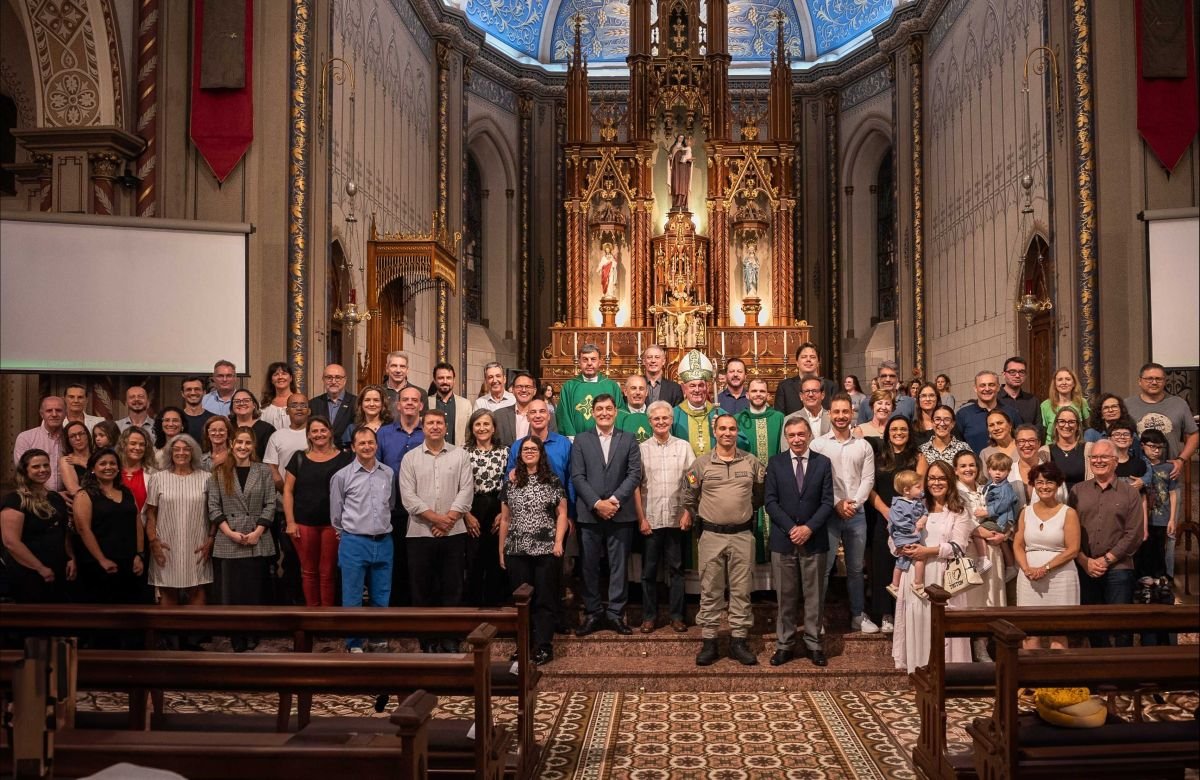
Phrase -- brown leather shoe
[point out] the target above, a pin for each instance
(647, 627)
(678, 626)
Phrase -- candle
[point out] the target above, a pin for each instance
(785, 352)
(755, 346)
(353, 294)
(576, 350)
(607, 345)
(722, 346)
(639, 345)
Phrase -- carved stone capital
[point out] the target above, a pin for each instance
(916, 48)
(105, 165)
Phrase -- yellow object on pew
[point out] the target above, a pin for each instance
(1073, 708)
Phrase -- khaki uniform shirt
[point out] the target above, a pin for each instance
(724, 492)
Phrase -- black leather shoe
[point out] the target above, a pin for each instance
(381, 702)
(739, 652)
(543, 656)
(818, 658)
(708, 653)
(781, 657)
(620, 626)
(590, 626)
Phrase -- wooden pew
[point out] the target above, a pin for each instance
(450, 751)
(75, 752)
(936, 681)
(1009, 744)
(303, 625)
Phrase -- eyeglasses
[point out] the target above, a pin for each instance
(1067, 423)
(243, 402)
(1122, 435)
(811, 391)
(335, 377)
(1154, 379)
(1027, 442)
(935, 480)
(1101, 458)
(297, 406)
(1016, 371)
(1044, 483)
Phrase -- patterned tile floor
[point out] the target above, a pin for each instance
(717, 736)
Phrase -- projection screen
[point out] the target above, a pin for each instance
(117, 295)
(1174, 254)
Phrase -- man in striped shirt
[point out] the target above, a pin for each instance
(660, 515)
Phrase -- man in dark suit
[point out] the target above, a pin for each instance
(799, 501)
(606, 467)
(511, 421)
(335, 403)
(788, 397)
(654, 361)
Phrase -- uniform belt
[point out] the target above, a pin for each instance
(717, 528)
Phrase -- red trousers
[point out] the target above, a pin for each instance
(318, 549)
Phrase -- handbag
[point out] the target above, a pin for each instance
(960, 573)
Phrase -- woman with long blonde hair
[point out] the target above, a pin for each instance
(1065, 391)
(33, 526)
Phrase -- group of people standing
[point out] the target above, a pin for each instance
(424, 497)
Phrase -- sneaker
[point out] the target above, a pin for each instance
(886, 626)
(867, 626)
(356, 650)
(984, 565)
(377, 647)
(893, 591)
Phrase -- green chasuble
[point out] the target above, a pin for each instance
(695, 427)
(762, 432)
(574, 411)
(636, 423)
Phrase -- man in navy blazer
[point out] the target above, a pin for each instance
(799, 502)
(606, 467)
(335, 403)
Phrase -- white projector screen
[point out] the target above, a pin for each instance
(87, 294)
(1174, 279)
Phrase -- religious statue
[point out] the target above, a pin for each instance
(608, 271)
(750, 269)
(679, 166)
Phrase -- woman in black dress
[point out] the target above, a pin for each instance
(895, 452)
(77, 450)
(33, 526)
(106, 518)
(244, 413)
(486, 583)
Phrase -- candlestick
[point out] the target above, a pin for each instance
(755, 346)
(607, 345)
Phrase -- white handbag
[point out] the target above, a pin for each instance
(960, 573)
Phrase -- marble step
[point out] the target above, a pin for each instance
(664, 642)
(680, 673)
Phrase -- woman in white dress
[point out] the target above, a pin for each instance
(948, 523)
(1045, 547)
(177, 527)
(991, 593)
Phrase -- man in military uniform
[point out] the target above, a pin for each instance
(722, 490)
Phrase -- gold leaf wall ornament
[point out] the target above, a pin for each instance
(749, 177)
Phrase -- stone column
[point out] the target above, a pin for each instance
(299, 175)
(832, 171)
(916, 66)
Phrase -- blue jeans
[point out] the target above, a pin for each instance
(364, 560)
(853, 534)
(1114, 587)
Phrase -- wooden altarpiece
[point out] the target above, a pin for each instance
(676, 233)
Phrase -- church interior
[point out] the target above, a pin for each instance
(939, 183)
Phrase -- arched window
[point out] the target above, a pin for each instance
(333, 300)
(885, 241)
(473, 242)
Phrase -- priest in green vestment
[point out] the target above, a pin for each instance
(761, 427)
(694, 417)
(635, 419)
(574, 411)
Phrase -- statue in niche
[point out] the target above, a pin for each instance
(608, 271)
(750, 268)
(679, 162)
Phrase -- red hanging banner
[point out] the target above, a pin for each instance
(222, 120)
(1168, 117)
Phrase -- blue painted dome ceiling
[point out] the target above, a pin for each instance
(543, 30)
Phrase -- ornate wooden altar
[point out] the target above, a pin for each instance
(678, 234)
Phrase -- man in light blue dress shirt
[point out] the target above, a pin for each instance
(361, 497)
